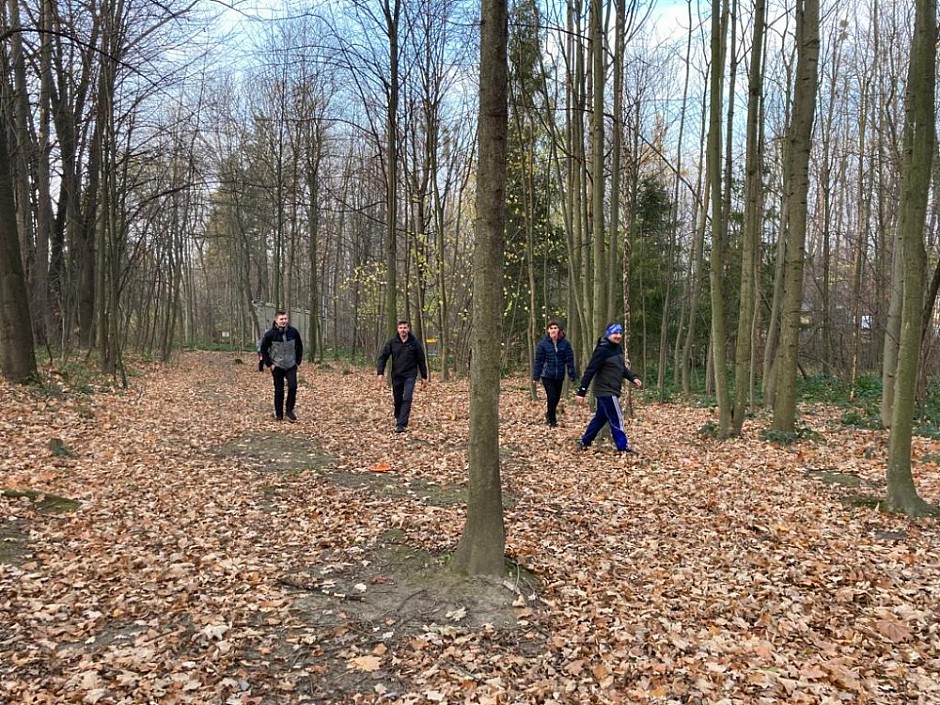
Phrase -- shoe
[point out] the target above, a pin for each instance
(582, 447)
(291, 416)
(553, 424)
(278, 418)
(399, 429)
(628, 451)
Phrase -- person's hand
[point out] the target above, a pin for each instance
(638, 382)
(580, 400)
(425, 381)
(380, 378)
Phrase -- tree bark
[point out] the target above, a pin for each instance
(713, 166)
(392, 9)
(798, 151)
(919, 138)
(481, 547)
(17, 353)
(753, 219)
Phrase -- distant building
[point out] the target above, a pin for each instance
(299, 318)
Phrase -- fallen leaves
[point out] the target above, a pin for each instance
(701, 572)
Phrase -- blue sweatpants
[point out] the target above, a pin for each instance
(608, 411)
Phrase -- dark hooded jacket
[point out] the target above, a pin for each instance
(607, 369)
(554, 358)
(407, 358)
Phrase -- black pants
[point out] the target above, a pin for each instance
(280, 376)
(553, 396)
(403, 389)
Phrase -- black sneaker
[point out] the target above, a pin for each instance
(582, 447)
(399, 429)
(291, 416)
(628, 451)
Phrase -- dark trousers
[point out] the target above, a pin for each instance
(280, 376)
(403, 389)
(553, 389)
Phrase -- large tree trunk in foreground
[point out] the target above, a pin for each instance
(480, 551)
(919, 137)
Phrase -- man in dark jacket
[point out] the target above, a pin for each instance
(407, 362)
(607, 370)
(282, 350)
(553, 357)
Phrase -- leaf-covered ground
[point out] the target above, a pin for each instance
(217, 556)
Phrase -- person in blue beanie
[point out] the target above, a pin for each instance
(554, 356)
(607, 370)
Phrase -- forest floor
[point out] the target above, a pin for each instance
(172, 543)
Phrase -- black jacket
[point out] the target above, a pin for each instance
(606, 369)
(281, 348)
(407, 358)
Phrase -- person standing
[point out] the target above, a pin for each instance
(407, 362)
(607, 370)
(283, 351)
(554, 356)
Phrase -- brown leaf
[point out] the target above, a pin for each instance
(364, 663)
(893, 631)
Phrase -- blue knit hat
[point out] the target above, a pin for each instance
(613, 329)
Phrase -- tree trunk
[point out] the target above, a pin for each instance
(892, 339)
(17, 354)
(597, 192)
(481, 548)
(713, 166)
(392, 9)
(753, 219)
(798, 151)
(919, 137)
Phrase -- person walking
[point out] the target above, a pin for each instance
(408, 361)
(554, 356)
(607, 370)
(282, 350)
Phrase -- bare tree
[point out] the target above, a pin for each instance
(17, 356)
(919, 140)
(481, 547)
(799, 144)
(753, 218)
(719, 26)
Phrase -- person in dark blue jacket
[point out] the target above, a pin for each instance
(407, 362)
(282, 350)
(606, 371)
(554, 357)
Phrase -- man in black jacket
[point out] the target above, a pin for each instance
(407, 362)
(607, 370)
(282, 350)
